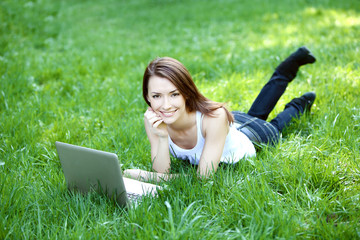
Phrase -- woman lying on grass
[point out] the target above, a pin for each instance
(181, 121)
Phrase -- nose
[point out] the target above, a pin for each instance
(166, 103)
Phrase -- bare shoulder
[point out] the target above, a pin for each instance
(217, 121)
(218, 115)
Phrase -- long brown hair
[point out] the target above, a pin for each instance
(177, 74)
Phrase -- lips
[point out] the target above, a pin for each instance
(168, 114)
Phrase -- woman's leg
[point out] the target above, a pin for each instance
(294, 109)
(257, 130)
(261, 132)
(275, 87)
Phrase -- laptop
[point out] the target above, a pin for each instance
(88, 169)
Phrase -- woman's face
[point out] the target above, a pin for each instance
(165, 99)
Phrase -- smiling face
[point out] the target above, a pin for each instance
(165, 99)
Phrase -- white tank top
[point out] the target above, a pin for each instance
(237, 146)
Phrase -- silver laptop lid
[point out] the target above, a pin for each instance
(87, 169)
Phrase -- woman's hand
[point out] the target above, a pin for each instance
(157, 133)
(155, 124)
(137, 174)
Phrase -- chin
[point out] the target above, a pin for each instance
(168, 121)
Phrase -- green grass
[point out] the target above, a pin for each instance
(71, 71)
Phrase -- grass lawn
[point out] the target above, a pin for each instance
(71, 71)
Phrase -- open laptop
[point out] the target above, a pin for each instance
(88, 169)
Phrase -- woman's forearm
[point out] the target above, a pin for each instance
(161, 161)
(147, 176)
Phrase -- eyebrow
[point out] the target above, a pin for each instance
(169, 92)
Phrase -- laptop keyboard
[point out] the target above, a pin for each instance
(133, 196)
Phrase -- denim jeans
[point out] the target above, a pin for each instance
(254, 124)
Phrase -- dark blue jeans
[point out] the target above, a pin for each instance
(254, 124)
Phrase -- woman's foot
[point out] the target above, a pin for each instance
(302, 56)
(303, 104)
(308, 99)
(291, 65)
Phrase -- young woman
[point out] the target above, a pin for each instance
(182, 122)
